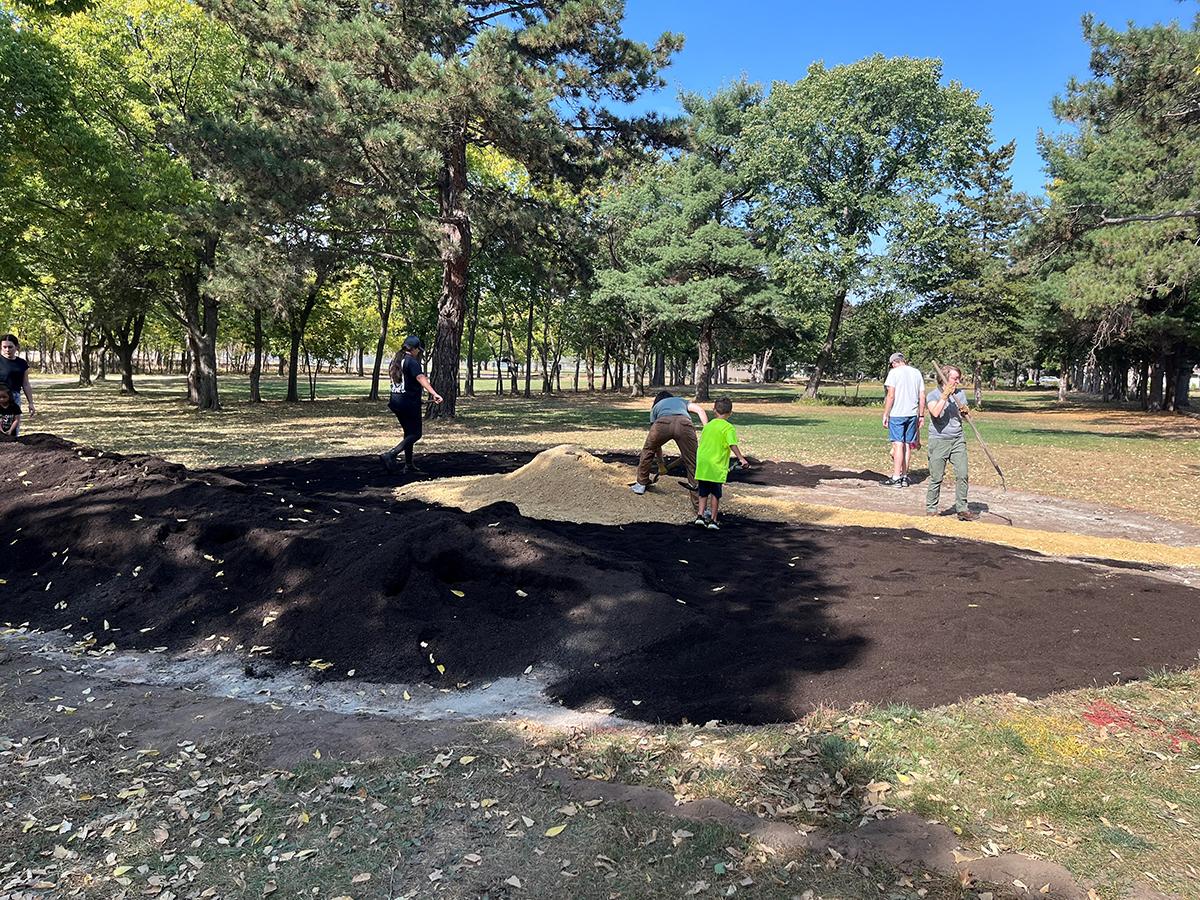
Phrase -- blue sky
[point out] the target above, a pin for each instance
(1016, 53)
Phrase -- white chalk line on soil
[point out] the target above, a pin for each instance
(222, 674)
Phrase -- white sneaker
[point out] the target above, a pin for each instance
(638, 488)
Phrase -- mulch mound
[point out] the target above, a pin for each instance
(759, 622)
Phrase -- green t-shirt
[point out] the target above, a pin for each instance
(712, 456)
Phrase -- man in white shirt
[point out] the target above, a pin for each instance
(903, 414)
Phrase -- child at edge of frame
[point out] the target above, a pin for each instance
(10, 414)
(717, 441)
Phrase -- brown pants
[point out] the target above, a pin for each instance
(669, 428)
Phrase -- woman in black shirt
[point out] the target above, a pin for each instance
(407, 381)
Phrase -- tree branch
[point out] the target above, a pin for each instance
(1106, 221)
(499, 13)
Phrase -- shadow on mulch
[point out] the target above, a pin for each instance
(759, 622)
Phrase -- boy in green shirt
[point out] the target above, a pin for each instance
(712, 462)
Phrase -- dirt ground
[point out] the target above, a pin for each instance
(864, 490)
(313, 565)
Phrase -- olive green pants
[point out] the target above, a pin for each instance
(941, 451)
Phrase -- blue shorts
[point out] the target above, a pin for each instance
(902, 429)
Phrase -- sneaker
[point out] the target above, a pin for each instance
(638, 488)
(712, 526)
(967, 516)
(701, 521)
(904, 482)
(894, 481)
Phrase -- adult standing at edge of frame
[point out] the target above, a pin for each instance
(408, 379)
(903, 413)
(14, 371)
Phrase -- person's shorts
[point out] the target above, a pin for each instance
(709, 488)
(902, 429)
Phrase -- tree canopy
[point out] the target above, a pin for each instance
(235, 185)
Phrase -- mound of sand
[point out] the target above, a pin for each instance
(563, 484)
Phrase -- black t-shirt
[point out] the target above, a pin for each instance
(12, 373)
(8, 414)
(410, 368)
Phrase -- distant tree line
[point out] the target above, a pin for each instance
(258, 185)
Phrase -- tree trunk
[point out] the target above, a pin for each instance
(455, 231)
(604, 370)
(704, 349)
(577, 365)
(199, 320)
(471, 342)
(1155, 398)
(640, 363)
(297, 325)
(659, 377)
(591, 369)
(825, 357)
(256, 369)
(977, 380)
(1064, 378)
(383, 303)
(293, 381)
(549, 354)
(126, 342)
(85, 359)
(1170, 381)
(1183, 383)
(512, 364)
(529, 348)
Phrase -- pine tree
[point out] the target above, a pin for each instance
(680, 247)
(410, 88)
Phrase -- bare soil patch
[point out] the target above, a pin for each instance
(761, 622)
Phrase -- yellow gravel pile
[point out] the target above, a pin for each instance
(564, 484)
